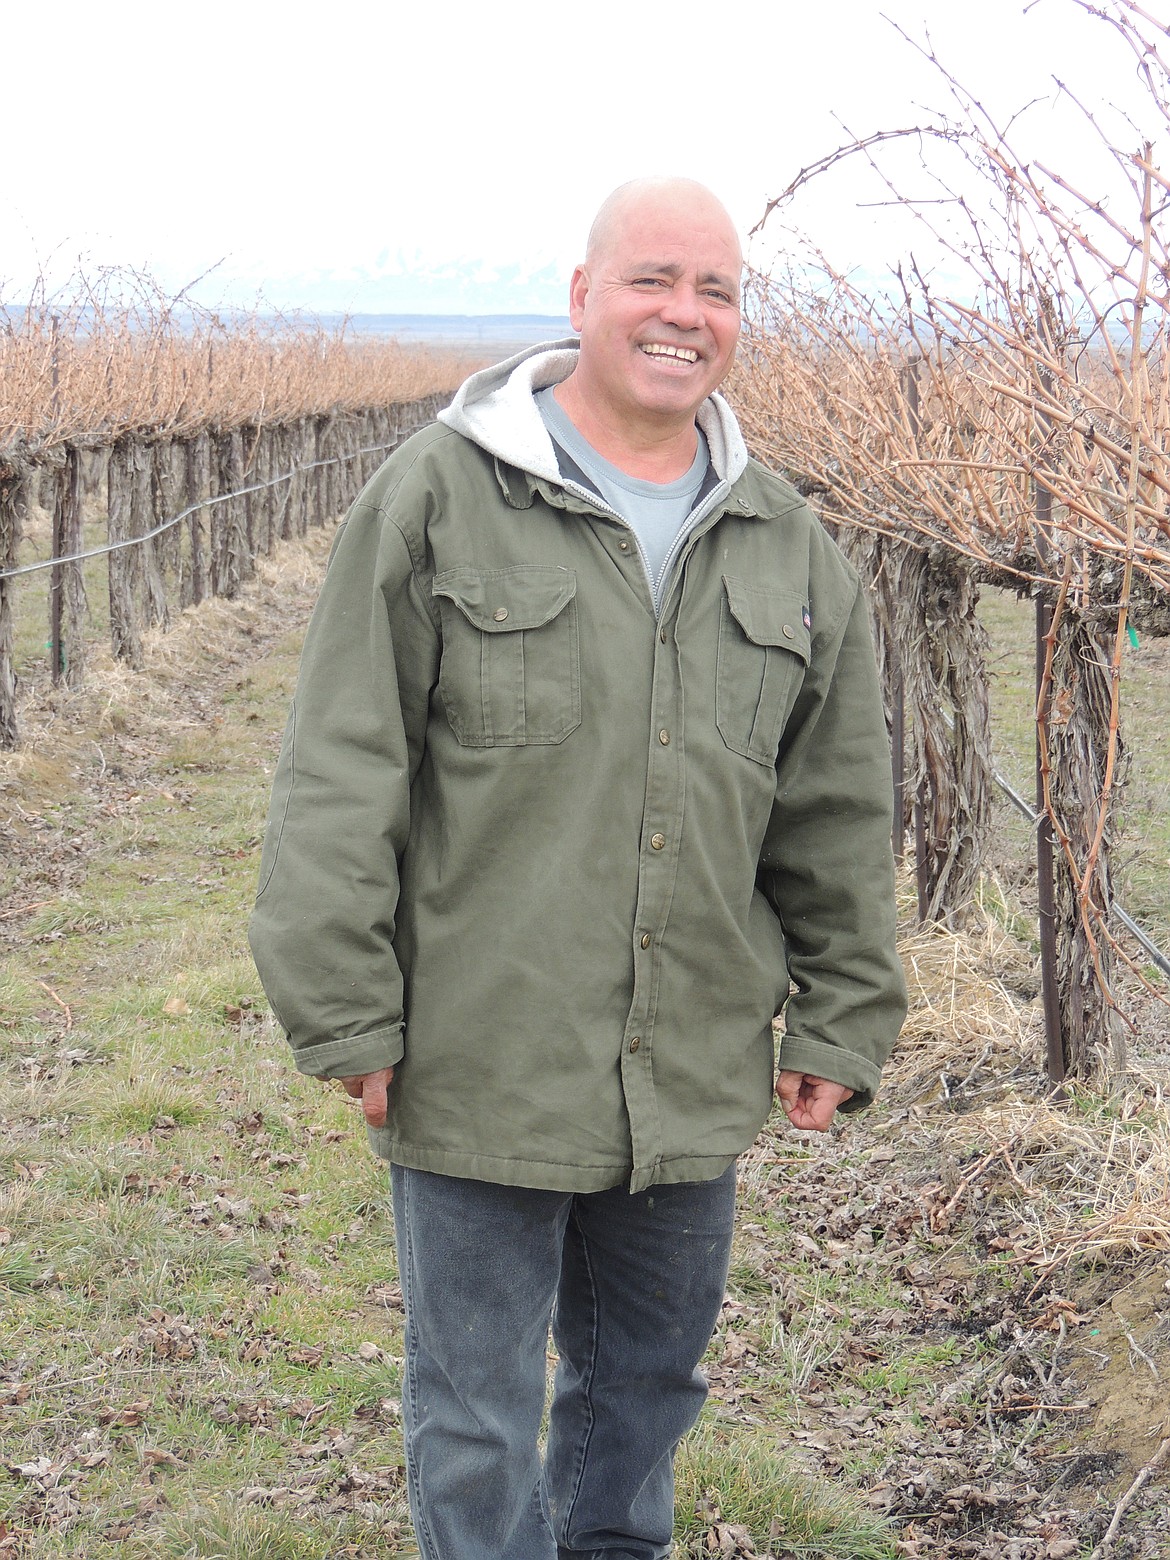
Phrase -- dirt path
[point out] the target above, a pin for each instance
(85, 755)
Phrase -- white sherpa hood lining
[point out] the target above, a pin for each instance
(495, 409)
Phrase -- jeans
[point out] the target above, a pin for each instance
(633, 1286)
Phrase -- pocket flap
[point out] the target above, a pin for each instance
(770, 617)
(501, 601)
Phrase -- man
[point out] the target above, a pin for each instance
(586, 762)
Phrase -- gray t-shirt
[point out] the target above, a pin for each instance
(656, 511)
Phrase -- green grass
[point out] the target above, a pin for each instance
(198, 1253)
(233, 1533)
(32, 648)
(1142, 857)
(200, 1328)
(176, 1232)
(751, 1482)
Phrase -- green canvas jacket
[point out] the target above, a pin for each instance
(557, 858)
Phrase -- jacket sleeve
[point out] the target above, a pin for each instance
(827, 862)
(322, 930)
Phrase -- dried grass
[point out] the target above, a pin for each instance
(56, 720)
(964, 1017)
(1090, 1187)
(1010, 408)
(1088, 1175)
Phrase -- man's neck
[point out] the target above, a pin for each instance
(651, 451)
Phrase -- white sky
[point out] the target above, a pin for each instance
(449, 156)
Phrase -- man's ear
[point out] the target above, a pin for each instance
(578, 290)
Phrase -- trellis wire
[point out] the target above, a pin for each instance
(191, 509)
(1136, 931)
(143, 484)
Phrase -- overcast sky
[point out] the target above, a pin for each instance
(447, 157)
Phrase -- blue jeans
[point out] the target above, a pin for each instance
(633, 1287)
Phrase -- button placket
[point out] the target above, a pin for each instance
(658, 866)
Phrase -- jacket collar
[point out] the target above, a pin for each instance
(495, 409)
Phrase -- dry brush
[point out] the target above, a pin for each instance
(213, 439)
(1012, 429)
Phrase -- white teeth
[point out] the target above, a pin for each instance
(660, 349)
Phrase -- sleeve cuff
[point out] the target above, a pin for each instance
(817, 1059)
(354, 1057)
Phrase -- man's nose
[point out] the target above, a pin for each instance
(683, 307)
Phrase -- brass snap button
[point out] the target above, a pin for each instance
(623, 546)
(664, 738)
(645, 939)
(635, 1043)
(658, 841)
(502, 612)
(787, 631)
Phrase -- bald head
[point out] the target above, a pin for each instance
(656, 306)
(685, 199)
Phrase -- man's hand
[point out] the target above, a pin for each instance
(809, 1103)
(370, 1088)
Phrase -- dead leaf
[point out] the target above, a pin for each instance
(257, 1495)
(160, 1459)
(388, 1295)
(38, 1470)
(305, 1354)
(130, 1415)
(233, 1208)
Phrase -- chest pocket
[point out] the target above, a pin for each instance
(764, 648)
(510, 673)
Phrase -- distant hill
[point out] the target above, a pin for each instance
(495, 333)
(499, 335)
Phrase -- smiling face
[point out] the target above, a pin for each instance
(657, 305)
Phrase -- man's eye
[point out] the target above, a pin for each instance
(649, 281)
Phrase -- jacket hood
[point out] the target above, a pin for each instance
(494, 409)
